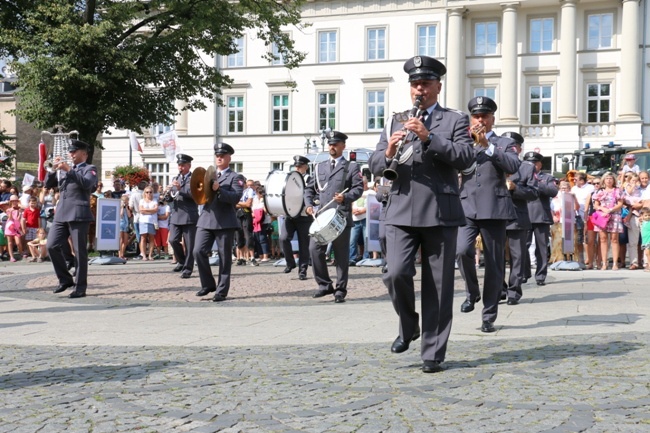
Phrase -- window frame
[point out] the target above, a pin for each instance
(541, 40)
(378, 41)
(541, 102)
(281, 109)
(335, 32)
(367, 116)
(239, 56)
(427, 48)
(496, 42)
(332, 105)
(599, 99)
(161, 174)
(612, 35)
(241, 109)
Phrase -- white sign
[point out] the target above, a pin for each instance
(567, 217)
(107, 229)
(373, 210)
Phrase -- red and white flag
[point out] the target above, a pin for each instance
(135, 144)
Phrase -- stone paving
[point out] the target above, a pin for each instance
(573, 358)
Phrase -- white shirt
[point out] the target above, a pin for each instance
(148, 218)
(581, 194)
(163, 210)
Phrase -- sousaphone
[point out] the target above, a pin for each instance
(201, 184)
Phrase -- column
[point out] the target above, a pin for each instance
(181, 119)
(507, 100)
(455, 78)
(567, 86)
(630, 63)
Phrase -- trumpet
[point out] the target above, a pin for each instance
(476, 135)
(390, 172)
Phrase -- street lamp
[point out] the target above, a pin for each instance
(307, 142)
(313, 146)
(323, 135)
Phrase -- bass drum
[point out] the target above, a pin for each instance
(284, 194)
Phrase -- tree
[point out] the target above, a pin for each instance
(7, 155)
(96, 64)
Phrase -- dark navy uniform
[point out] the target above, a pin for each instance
(322, 186)
(488, 208)
(541, 219)
(182, 220)
(300, 225)
(218, 222)
(424, 211)
(525, 190)
(71, 220)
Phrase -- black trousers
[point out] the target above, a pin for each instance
(187, 232)
(57, 248)
(205, 239)
(292, 226)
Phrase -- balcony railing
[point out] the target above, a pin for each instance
(538, 131)
(597, 130)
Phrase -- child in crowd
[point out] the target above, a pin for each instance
(644, 221)
(38, 246)
(31, 220)
(13, 231)
(3, 239)
(162, 233)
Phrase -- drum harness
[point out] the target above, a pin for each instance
(321, 188)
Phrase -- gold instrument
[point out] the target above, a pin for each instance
(201, 184)
(390, 172)
(476, 134)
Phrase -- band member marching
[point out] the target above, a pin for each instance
(327, 184)
(423, 209)
(300, 225)
(488, 208)
(218, 221)
(185, 213)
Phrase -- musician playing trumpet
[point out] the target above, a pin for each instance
(424, 210)
(338, 181)
(487, 207)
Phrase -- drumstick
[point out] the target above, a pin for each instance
(329, 202)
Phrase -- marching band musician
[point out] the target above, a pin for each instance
(541, 219)
(218, 221)
(488, 208)
(327, 184)
(424, 210)
(300, 225)
(185, 214)
(72, 217)
(523, 188)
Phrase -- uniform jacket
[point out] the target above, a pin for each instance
(540, 210)
(220, 214)
(184, 208)
(426, 192)
(325, 182)
(75, 188)
(525, 191)
(483, 191)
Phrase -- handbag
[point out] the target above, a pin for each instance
(599, 219)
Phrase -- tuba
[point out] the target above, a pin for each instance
(390, 172)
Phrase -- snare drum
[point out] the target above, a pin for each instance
(284, 194)
(328, 226)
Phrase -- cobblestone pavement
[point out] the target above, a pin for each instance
(563, 384)
(574, 357)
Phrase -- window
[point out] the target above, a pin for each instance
(376, 44)
(161, 128)
(485, 42)
(598, 103)
(237, 59)
(427, 40)
(281, 113)
(490, 92)
(326, 111)
(158, 172)
(601, 28)
(276, 53)
(540, 105)
(375, 110)
(327, 47)
(541, 35)
(237, 167)
(275, 165)
(235, 114)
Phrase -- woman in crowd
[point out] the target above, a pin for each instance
(261, 223)
(13, 231)
(609, 201)
(47, 202)
(125, 225)
(632, 196)
(593, 253)
(148, 222)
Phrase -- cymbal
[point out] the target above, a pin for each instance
(210, 175)
(197, 185)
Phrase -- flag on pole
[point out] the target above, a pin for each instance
(135, 144)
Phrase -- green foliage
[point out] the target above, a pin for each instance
(7, 165)
(95, 64)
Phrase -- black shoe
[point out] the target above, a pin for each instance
(384, 269)
(241, 262)
(504, 296)
(205, 291)
(70, 265)
(178, 267)
(512, 301)
(288, 269)
(302, 277)
(186, 274)
(431, 367)
(339, 299)
(400, 345)
(468, 305)
(77, 294)
(219, 298)
(487, 327)
(323, 292)
(63, 287)
(541, 283)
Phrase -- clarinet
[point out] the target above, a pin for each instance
(391, 172)
(168, 194)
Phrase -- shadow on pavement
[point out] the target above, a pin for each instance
(578, 296)
(75, 307)
(614, 319)
(12, 325)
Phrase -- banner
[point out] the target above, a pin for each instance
(567, 218)
(107, 229)
(169, 145)
(373, 210)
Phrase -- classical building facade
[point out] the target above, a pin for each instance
(565, 73)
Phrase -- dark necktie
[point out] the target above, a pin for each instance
(332, 165)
